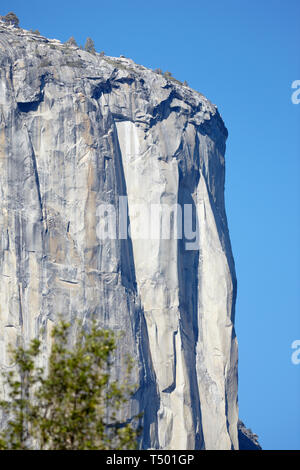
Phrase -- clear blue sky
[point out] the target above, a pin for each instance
(243, 55)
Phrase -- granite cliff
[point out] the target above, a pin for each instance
(79, 132)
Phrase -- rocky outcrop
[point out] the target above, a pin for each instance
(79, 132)
(247, 439)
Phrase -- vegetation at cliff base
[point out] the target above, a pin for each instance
(75, 405)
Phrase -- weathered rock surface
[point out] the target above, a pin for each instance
(79, 130)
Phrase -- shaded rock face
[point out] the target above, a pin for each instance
(78, 131)
(247, 439)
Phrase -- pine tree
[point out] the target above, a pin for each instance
(11, 18)
(90, 46)
(73, 407)
(71, 42)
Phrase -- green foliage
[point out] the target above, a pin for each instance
(71, 42)
(75, 406)
(90, 46)
(167, 75)
(11, 18)
(19, 407)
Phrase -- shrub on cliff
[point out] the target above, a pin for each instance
(167, 75)
(72, 407)
(11, 18)
(89, 46)
(71, 42)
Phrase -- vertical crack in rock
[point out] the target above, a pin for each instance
(188, 262)
(36, 173)
(126, 250)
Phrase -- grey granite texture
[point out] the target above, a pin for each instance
(77, 131)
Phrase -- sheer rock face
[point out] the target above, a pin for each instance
(247, 439)
(78, 131)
